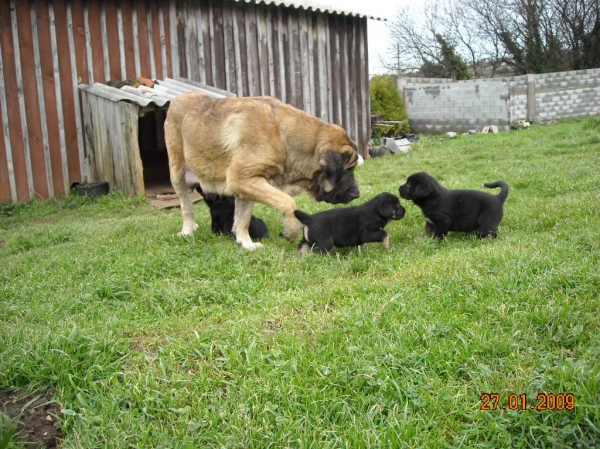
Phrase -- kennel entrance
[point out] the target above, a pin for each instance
(124, 133)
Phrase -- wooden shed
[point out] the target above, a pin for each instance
(311, 56)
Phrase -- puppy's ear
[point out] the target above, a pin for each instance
(422, 190)
(386, 209)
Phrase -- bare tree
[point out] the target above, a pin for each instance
(465, 36)
(486, 18)
(528, 36)
(411, 39)
(579, 29)
(416, 46)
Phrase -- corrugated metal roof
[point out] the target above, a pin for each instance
(160, 94)
(315, 6)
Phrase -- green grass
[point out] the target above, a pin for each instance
(157, 341)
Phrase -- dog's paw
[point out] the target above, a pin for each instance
(291, 229)
(291, 235)
(249, 245)
(189, 229)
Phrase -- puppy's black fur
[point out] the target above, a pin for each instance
(350, 226)
(222, 208)
(455, 210)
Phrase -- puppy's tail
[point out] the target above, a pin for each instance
(503, 189)
(302, 217)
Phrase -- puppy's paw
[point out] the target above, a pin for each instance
(189, 229)
(304, 248)
(385, 243)
(429, 229)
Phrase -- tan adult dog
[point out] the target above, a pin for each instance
(259, 150)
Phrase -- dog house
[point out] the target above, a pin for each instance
(124, 131)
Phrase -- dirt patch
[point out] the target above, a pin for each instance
(36, 414)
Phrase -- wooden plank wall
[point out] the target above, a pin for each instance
(312, 60)
(118, 130)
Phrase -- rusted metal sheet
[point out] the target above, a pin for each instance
(309, 55)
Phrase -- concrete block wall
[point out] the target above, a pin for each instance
(567, 94)
(517, 104)
(436, 106)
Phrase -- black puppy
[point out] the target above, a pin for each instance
(222, 208)
(455, 210)
(350, 226)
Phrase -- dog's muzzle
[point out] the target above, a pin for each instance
(403, 192)
(341, 194)
(399, 213)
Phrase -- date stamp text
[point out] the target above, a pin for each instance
(543, 401)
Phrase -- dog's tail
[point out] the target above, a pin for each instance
(302, 217)
(503, 189)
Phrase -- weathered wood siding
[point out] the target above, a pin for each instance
(116, 156)
(313, 60)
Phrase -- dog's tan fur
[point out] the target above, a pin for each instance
(256, 148)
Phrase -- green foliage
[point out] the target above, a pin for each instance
(454, 65)
(160, 341)
(387, 102)
(448, 63)
(8, 427)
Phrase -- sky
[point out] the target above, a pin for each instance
(376, 29)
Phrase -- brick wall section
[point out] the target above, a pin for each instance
(437, 106)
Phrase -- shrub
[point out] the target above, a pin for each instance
(387, 102)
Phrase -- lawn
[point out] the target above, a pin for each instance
(151, 340)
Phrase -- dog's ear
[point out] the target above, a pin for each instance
(325, 183)
(385, 209)
(422, 190)
(335, 179)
